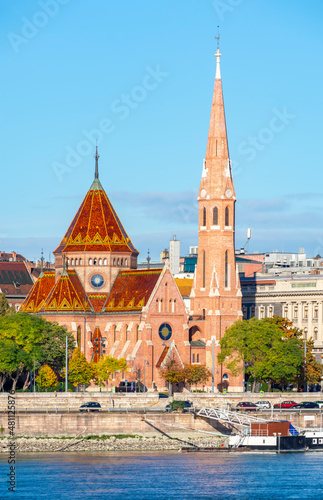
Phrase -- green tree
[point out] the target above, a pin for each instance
(79, 370)
(106, 366)
(4, 306)
(25, 338)
(310, 371)
(46, 377)
(263, 349)
(196, 374)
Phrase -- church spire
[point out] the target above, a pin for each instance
(96, 185)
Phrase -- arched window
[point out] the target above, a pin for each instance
(316, 311)
(193, 358)
(305, 331)
(114, 262)
(286, 311)
(203, 265)
(95, 261)
(315, 333)
(76, 262)
(122, 262)
(67, 262)
(105, 262)
(215, 216)
(114, 334)
(80, 262)
(305, 312)
(90, 262)
(126, 333)
(79, 338)
(118, 264)
(226, 217)
(126, 262)
(226, 269)
(100, 262)
(197, 358)
(204, 217)
(137, 333)
(72, 262)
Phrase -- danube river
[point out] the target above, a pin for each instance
(163, 476)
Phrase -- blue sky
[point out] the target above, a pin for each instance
(139, 76)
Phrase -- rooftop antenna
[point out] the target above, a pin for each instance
(148, 259)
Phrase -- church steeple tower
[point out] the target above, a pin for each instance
(216, 296)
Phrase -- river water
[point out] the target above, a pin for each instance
(163, 476)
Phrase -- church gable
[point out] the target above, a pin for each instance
(39, 293)
(67, 295)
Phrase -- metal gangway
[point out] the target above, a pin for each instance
(229, 417)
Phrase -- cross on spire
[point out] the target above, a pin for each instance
(218, 55)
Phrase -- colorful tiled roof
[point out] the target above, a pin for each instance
(96, 227)
(39, 293)
(15, 278)
(184, 286)
(68, 295)
(97, 300)
(132, 289)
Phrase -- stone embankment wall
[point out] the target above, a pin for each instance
(137, 443)
(73, 400)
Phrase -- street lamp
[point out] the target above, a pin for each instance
(66, 366)
(213, 364)
(145, 363)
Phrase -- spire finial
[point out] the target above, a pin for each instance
(42, 264)
(218, 55)
(96, 156)
(148, 259)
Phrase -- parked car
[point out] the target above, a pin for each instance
(320, 403)
(246, 406)
(92, 406)
(306, 405)
(185, 406)
(285, 404)
(263, 405)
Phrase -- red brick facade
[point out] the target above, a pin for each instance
(216, 295)
(113, 308)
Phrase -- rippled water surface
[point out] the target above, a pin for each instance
(166, 476)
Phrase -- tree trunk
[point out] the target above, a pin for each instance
(253, 386)
(15, 380)
(269, 386)
(26, 381)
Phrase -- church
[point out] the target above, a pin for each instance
(113, 308)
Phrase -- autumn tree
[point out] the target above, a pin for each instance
(263, 349)
(79, 370)
(46, 377)
(196, 374)
(173, 373)
(106, 366)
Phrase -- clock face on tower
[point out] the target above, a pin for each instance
(97, 280)
(228, 193)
